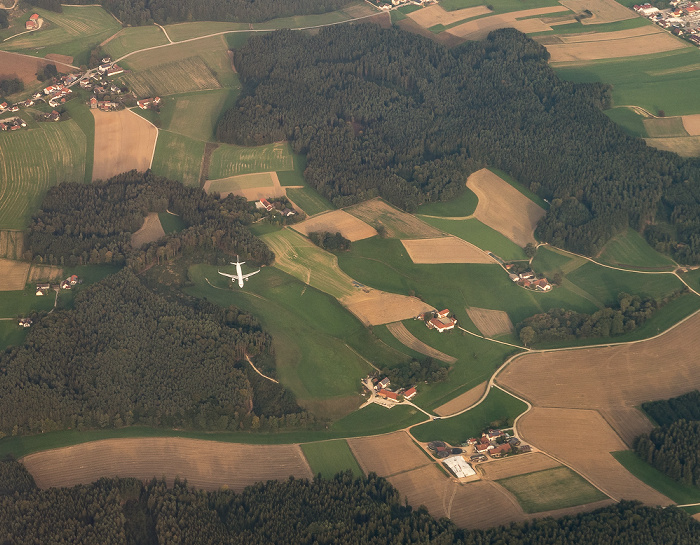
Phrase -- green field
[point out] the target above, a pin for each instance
(133, 39)
(189, 155)
(472, 230)
(74, 33)
(629, 121)
(665, 127)
(555, 488)
(228, 160)
(195, 114)
(499, 6)
(463, 205)
(319, 346)
(171, 223)
(86, 121)
(548, 261)
(33, 160)
(653, 82)
(309, 200)
(236, 183)
(19, 303)
(183, 76)
(630, 250)
(296, 176)
(678, 492)
(11, 334)
(330, 457)
(498, 409)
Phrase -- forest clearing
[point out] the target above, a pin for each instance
(504, 208)
(123, 141)
(404, 336)
(209, 465)
(336, 221)
(396, 223)
(150, 231)
(444, 250)
(490, 322)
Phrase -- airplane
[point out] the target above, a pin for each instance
(239, 273)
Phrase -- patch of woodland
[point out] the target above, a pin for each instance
(14, 478)
(674, 450)
(559, 324)
(341, 510)
(10, 86)
(146, 12)
(93, 223)
(414, 372)
(392, 114)
(125, 355)
(668, 411)
(329, 241)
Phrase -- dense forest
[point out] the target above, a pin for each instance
(559, 324)
(125, 355)
(342, 510)
(93, 223)
(674, 450)
(146, 12)
(666, 412)
(389, 113)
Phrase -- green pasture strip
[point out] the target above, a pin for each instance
(176, 52)
(11, 334)
(261, 228)
(499, 6)
(20, 303)
(630, 250)
(132, 39)
(384, 264)
(606, 284)
(555, 488)
(472, 230)
(33, 160)
(189, 155)
(580, 28)
(170, 78)
(477, 359)
(330, 457)
(653, 81)
(81, 114)
(383, 334)
(548, 262)
(409, 9)
(629, 121)
(692, 278)
(694, 510)
(371, 420)
(74, 33)
(229, 160)
(237, 183)
(539, 201)
(498, 409)
(319, 345)
(195, 115)
(296, 176)
(665, 127)
(678, 492)
(309, 200)
(171, 223)
(397, 16)
(462, 205)
(187, 31)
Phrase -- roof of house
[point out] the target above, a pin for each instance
(410, 392)
(388, 394)
(34, 16)
(444, 312)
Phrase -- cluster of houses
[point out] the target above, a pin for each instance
(109, 68)
(148, 103)
(497, 444)
(264, 204)
(34, 22)
(69, 282)
(58, 93)
(25, 322)
(382, 389)
(438, 320)
(682, 19)
(529, 280)
(388, 4)
(12, 124)
(52, 116)
(104, 105)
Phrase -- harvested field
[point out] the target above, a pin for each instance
(388, 454)
(397, 224)
(398, 330)
(380, 307)
(463, 401)
(691, 123)
(479, 28)
(63, 59)
(628, 422)
(14, 274)
(335, 221)
(517, 465)
(253, 187)
(437, 15)
(44, 273)
(607, 36)
(150, 231)
(595, 464)
(504, 208)
(444, 250)
(11, 244)
(685, 146)
(182, 76)
(490, 322)
(123, 141)
(615, 45)
(604, 11)
(209, 465)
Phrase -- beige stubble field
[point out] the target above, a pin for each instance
(442, 250)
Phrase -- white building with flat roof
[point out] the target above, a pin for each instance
(458, 467)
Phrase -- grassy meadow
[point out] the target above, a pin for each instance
(229, 160)
(309, 200)
(628, 120)
(499, 6)
(189, 153)
(630, 250)
(131, 39)
(330, 457)
(462, 205)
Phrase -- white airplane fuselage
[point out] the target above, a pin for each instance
(239, 273)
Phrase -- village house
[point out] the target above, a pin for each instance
(384, 383)
(104, 67)
(443, 313)
(93, 103)
(266, 204)
(500, 450)
(410, 393)
(441, 324)
(147, 103)
(386, 394)
(114, 70)
(25, 322)
(85, 83)
(33, 22)
(288, 212)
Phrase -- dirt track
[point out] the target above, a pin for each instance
(205, 464)
(123, 141)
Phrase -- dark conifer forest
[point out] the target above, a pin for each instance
(342, 510)
(388, 113)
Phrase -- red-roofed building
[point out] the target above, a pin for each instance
(386, 394)
(410, 393)
(440, 325)
(500, 450)
(114, 70)
(443, 313)
(267, 205)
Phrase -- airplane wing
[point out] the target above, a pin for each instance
(250, 274)
(229, 275)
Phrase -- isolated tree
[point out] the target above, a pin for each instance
(527, 335)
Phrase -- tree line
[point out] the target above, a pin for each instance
(342, 510)
(389, 113)
(92, 223)
(146, 12)
(329, 241)
(666, 411)
(125, 355)
(414, 372)
(559, 324)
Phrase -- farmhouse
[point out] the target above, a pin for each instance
(33, 23)
(93, 103)
(441, 324)
(25, 322)
(458, 467)
(114, 70)
(104, 67)
(386, 394)
(266, 204)
(500, 450)
(410, 393)
(3, 106)
(146, 103)
(384, 383)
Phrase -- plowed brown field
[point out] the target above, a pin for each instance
(398, 330)
(490, 322)
(463, 401)
(44, 273)
(336, 221)
(123, 141)
(691, 123)
(444, 250)
(504, 208)
(205, 464)
(398, 224)
(614, 45)
(388, 454)
(604, 11)
(25, 67)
